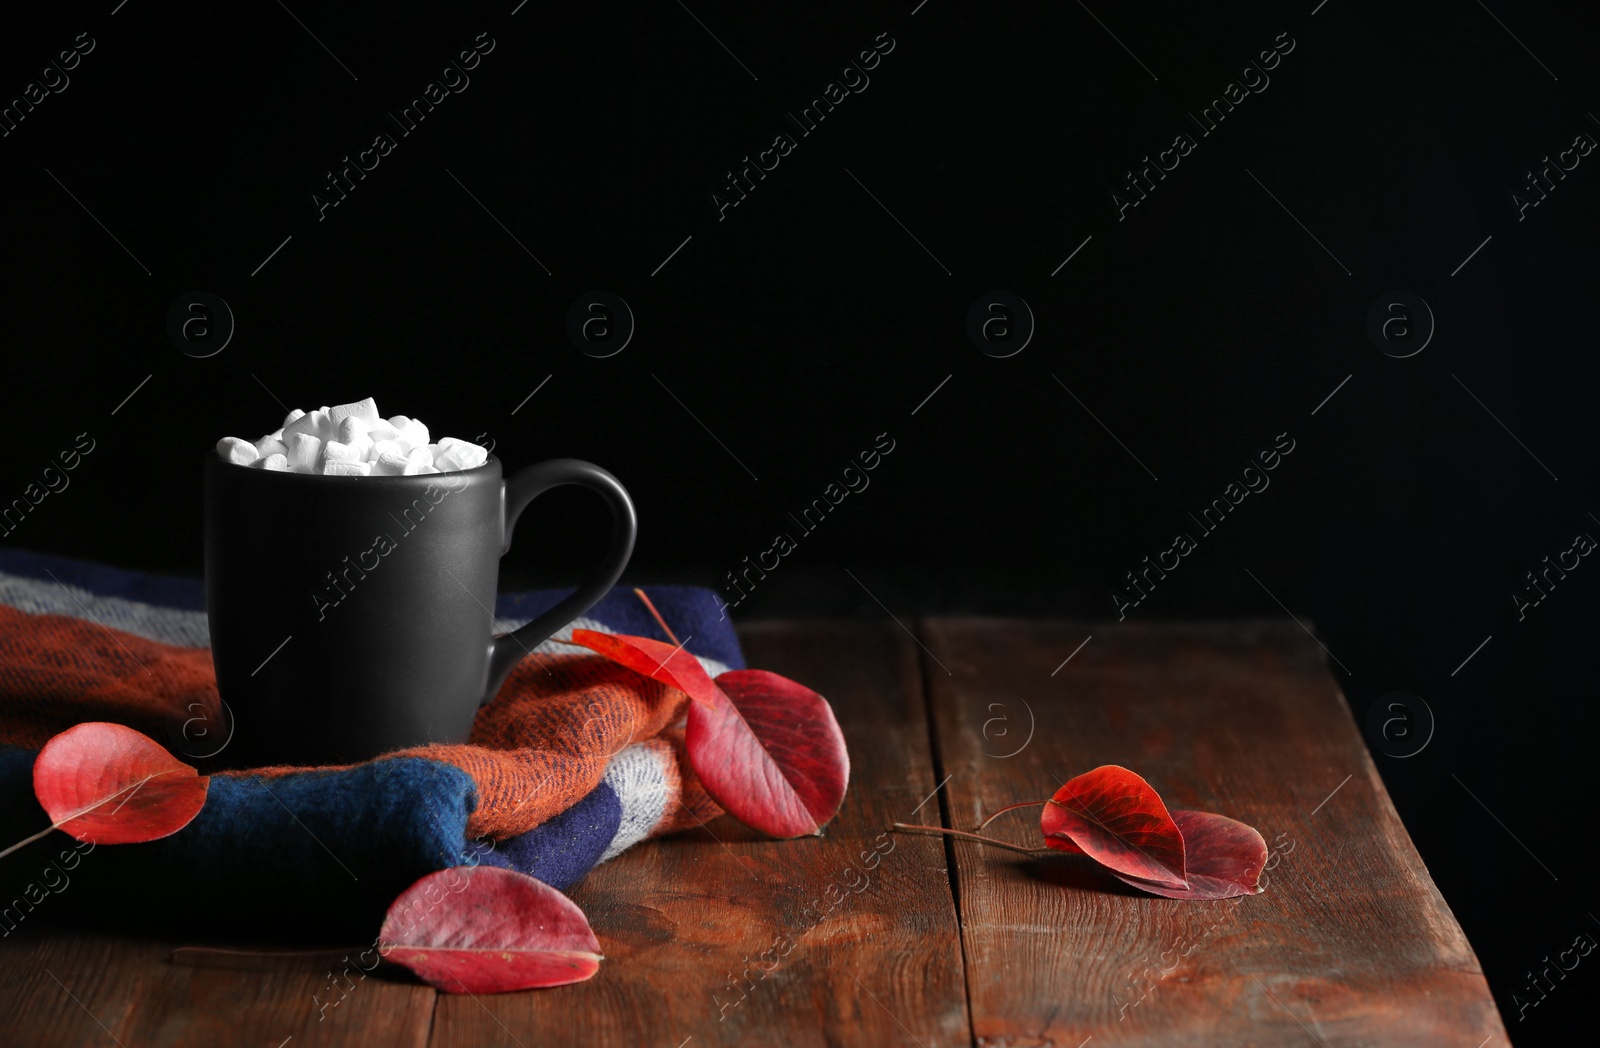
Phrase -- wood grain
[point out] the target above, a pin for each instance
(875, 955)
(1350, 946)
(70, 988)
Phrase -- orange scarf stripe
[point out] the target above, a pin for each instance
(537, 749)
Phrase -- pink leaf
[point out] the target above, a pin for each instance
(485, 929)
(1224, 858)
(1116, 818)
(109, 784)
(772, 756)
(658, 661)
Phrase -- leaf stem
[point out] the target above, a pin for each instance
(1011, 807)
(28, 840)
(964, 835)
(657, 615)
(130, 790)
(221, 957)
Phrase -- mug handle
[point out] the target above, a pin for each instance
(509, 649)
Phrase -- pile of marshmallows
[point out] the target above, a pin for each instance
(352, 440)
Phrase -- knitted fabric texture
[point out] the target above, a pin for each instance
(575, 760)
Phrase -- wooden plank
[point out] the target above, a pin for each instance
(61, 987)
(875, 960)
(1351, 945)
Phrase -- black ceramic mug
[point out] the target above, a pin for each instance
(355, 615)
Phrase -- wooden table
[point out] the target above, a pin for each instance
(913, 940)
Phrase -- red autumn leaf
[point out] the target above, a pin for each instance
(1117, 819)
(486, 929)
(1061, 842)
(109, 784)
(1224, 858)
(654, 659)
(773, 755)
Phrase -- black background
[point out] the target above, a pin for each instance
(808, 321)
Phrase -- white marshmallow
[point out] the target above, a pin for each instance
(353, 440)
(269, 446)
(389, 464)
(237, 451)
(456, 454)
(304, 450)
(316, 423)
(333, 451)
(381, 448)
(365, 410)
(353, 433)
(409, 432)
